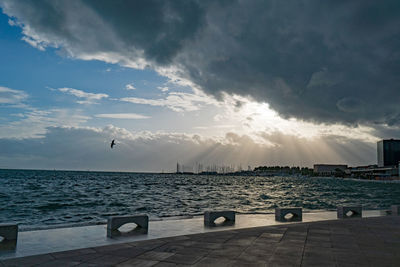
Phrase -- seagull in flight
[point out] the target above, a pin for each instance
(112, 143)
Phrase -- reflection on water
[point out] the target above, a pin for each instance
(38, 198)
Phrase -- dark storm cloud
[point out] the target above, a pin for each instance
(158, 27)
(325, 61)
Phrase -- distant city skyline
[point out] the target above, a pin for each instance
(221, 83)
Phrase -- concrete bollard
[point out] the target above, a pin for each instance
(395, 210)
(343, 210)
(115, 222)
(211, 216)
(9, 232)
(280, 214)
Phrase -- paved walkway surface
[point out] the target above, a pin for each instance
(349, 242)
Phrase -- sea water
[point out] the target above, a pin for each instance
(43, 199)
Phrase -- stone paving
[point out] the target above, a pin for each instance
(348, 242)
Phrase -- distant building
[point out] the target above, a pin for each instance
(329, 169)
(375, 172)
(388, 152)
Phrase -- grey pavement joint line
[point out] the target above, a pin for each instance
(304, 247)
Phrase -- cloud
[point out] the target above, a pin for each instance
(163, 88)
(33, 122)
(11, 96)
(130, 86)
(88, 98)
(176, 101)
(307, 59)
(350, 104)
(88, 148)
(122, 116)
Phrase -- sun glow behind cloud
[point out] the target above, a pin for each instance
(246, 116)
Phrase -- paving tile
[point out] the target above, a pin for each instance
(28, 261)
(253, 263)
(384, 262)
(289, 252)
(297, 231)
(318, 244)
(148, 244)
(319, 238)
(291, 244)
(283, 262)
(342, 231)
(72, 253)
(266, 242)
(86, 264)
(312, 230)
(274, 236)
(155, 255)
(195, 251)
(168, 264)
(206, 245)
(175, 238)
(347, 245)
(293, 239)
(185, 243)
(231, 252)
(319, 253)
(173, 248)
(346, 251)
(126, 252)
(241, 241)
(267, 247)
(137, 262)
(247, 257)
(259, 251)
(59, 262)
(349, 258)
(348, 264)
(214, 239)
(275, 230)
(318, 263)
(85, 257)
(183, 259)
(211, 261)
(107, 260)
(109, 248)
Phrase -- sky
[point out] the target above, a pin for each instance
(244, 83)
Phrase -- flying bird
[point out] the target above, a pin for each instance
(112, 143)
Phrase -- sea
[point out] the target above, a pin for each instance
(39, 199)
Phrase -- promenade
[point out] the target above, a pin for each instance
(373, 241)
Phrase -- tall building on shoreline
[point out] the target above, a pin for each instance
(388, 152)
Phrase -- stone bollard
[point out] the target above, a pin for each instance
(211, 216)
(395, 210)
(343, 210)
(9, 233)
(280, 214)
(115, 222)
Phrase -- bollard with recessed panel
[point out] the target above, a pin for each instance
(297, 214)
(211, 216)
(344, 212)
(9, 234)
(395, 210)
(115, 222)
